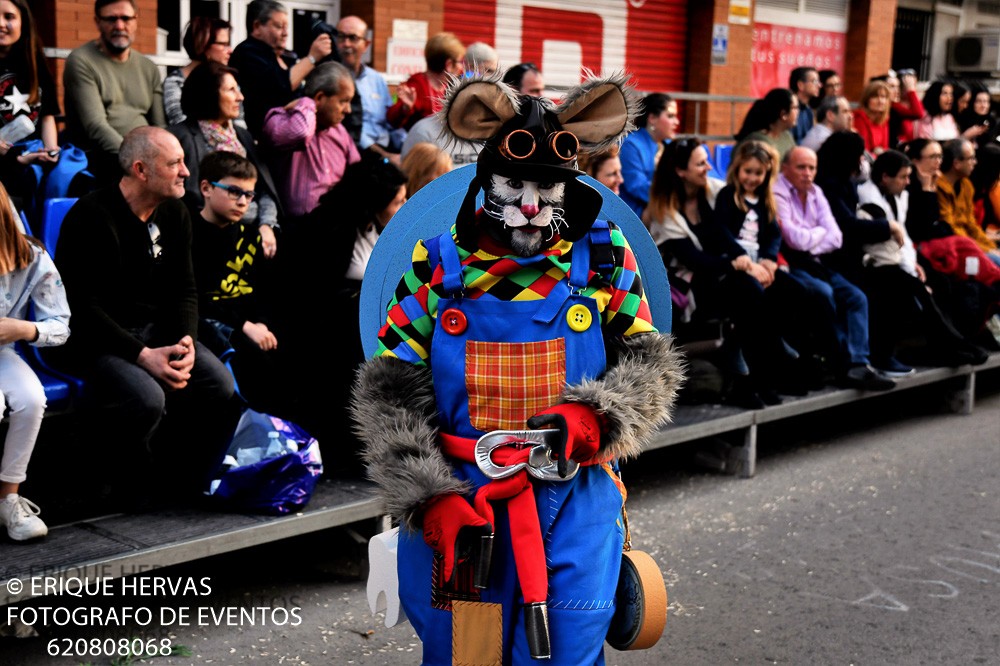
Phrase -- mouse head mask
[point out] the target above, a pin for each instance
(527, 165)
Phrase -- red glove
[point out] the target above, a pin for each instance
(453, 529)
(581, 431)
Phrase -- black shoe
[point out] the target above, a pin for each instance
(768, 396)
(865, 378)
(743, 395)
(890, 367)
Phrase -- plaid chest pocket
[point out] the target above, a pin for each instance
(507, 382)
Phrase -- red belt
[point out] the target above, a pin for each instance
(525, 529)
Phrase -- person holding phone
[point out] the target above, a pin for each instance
(27, 95)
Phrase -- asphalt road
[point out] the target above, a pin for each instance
(870, 535)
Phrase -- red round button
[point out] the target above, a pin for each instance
(453, 321)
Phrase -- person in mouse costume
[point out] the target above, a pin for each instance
(528, 313)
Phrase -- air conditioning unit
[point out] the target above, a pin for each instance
(977, 51)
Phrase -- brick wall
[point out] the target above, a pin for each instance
(732, 78)
(869, 43)
(385, 11)
(70, 23)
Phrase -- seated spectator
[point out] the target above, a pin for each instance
(986, 190)
(980, 113)
(939, 123)
(955, 195)
(110, 89)
(747, 208)
(422, 93)
(311, 146)
(205, 40)
(270, 75)
(963, 96)
(481, 60)
(906, 106)
(830, 86)
(211, 102)
(641, 149)
(967, 298)
(429, 130)
(724, 281)
(233, 301)
(526, 79)
(770, 120)
(362, 203)
(871, 118)
(804, 83)
(832, 115)
(839, 164)
(424, 163)
(34, 311)
(604, 167)
(900, 306)
(30, 95)
(124, 253)
(367, 123)
(923, 221)
(810, 232)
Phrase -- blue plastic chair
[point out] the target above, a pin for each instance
(57, 390)
(723, 156)
(53, 213)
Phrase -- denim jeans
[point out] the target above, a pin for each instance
(850, 308)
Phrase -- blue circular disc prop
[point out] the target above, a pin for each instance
(432, 211)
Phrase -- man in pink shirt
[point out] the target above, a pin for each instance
(310, 146)
(809, 231)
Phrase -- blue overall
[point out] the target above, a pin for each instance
(580, 518)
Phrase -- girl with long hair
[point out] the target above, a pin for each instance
(26, 91)
(726, 283)
(28, 275)
(940, 122)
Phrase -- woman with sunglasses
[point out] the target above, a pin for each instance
(725, 283)
(205, 40)
(211, 100)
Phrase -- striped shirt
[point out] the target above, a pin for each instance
(412, 312)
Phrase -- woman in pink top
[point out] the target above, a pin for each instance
(939, 123)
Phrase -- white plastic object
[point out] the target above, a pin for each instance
(383, 577)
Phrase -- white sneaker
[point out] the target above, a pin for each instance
(20, 515)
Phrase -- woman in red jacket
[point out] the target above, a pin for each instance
(871, 118)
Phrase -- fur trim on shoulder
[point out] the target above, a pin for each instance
(637, 395)
(394, 414)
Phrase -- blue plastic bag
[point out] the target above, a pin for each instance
(271, 466)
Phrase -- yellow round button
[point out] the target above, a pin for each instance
(579, 318)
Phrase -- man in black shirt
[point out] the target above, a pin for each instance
(124, 253)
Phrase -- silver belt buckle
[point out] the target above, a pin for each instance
(540, 463)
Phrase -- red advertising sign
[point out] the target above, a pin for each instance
(778, 49)
(646, 38)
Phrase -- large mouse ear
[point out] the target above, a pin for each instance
(600, 111)
(475, 109)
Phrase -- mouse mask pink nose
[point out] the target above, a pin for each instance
(529, 210)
